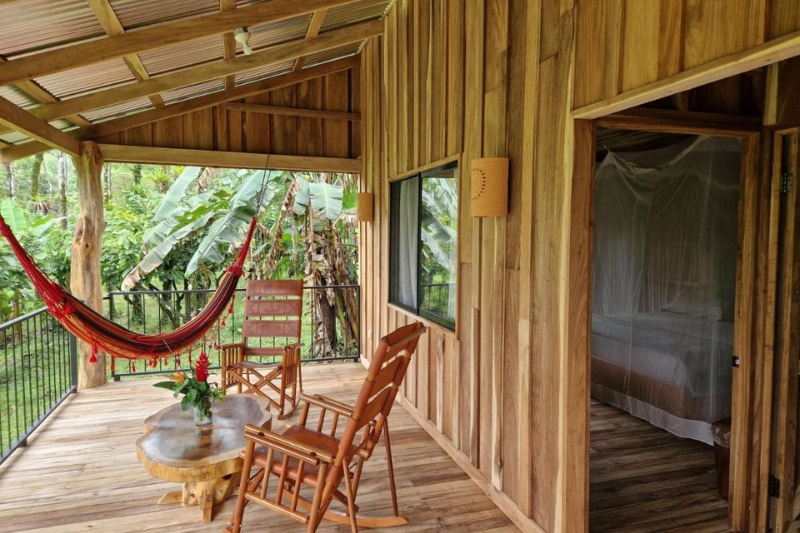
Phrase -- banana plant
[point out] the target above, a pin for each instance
(225, 211)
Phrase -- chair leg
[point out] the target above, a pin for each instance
(351, 509)
(390, 466)
(241, 501)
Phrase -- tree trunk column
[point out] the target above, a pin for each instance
(85, 281)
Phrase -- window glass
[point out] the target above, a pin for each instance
(423, 247)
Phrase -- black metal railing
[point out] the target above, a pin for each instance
(435, 302)
(39, 369)
(330, 324)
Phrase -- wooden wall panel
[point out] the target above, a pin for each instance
(622, 45)
(784, 17)
(218, 128)
(715, 28)
(456, 78)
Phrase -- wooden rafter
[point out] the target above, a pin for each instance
(313, 30)
(112, 26)
(228, 42)
(215, 158)
(160, 36)
(294, 111)
(32, 89)
(268, 56)
(22, 121)
(188, 106)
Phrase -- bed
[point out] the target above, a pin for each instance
(671, 369)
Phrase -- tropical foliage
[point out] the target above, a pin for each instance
(176, 228)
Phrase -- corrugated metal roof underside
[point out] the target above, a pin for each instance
(277, 32)
(137, 13)
(16, 97)
(190, 53)
(264, 72)
(347, 14)
(332, 55)
(63, 125)
(44, 24)
(14, 137)
(86, 79)
(193, 91)
(118, 110)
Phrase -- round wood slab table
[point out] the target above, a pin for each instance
(205, 459)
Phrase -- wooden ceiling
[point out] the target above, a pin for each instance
(96, 67)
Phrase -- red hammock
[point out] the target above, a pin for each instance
(102, 334)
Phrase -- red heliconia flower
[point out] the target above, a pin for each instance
(201, 368)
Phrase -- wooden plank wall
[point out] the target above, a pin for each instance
(219, 128)
(627, 44)
(500, 78)
(453, 77)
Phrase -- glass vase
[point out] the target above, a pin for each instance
(202, 415)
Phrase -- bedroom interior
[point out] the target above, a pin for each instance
(665, 244)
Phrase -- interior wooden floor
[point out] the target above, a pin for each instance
(644, 479)
(80, 472)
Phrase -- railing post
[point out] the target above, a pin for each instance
(358, 322)
(73, 360)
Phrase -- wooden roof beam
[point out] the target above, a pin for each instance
(294, 111)
(23, 122)
(187, 106)
(268, 56)
(108, 19)
(228, 42)
(32, 89)
(158, 36)
(313, 30)
(215, 158)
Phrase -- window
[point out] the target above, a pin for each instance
(423, 252)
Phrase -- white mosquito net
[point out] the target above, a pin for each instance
(665, 249)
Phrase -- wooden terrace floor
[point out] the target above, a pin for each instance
(646, 480)
(80, 472)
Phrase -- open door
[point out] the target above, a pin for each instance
(787, 347)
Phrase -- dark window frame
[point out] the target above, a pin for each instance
(393, 268)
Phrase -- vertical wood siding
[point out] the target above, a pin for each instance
(483, 78)
(218, 128)
(627, 44)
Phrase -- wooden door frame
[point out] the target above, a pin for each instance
(755, 277)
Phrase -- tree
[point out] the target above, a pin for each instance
(11, 186)
(36, 171)
(62, 187)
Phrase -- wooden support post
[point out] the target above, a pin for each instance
(85, 283)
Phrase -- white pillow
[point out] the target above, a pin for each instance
(694, 308)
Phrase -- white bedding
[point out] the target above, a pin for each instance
(686, 351)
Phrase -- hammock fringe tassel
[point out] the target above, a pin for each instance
(104, 335)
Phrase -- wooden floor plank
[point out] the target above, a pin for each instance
(646, 480)
(80, 472)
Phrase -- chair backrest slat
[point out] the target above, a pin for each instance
(273, 309)
(270, 328)
(374, 404)
(386, 375)
(270, 308)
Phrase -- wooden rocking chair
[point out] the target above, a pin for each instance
(278, 466)
(273, 316)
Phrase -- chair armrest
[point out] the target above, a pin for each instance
(327, 404)
(286, 445)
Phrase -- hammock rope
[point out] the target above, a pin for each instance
(102, 334)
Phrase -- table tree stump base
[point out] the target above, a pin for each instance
(205, 460)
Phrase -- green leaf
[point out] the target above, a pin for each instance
(327, 199)
(156, 256)
(170, 385)
(230, 229)
(185, 402)
(175, 194)
(14, 216)
(302, 197)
